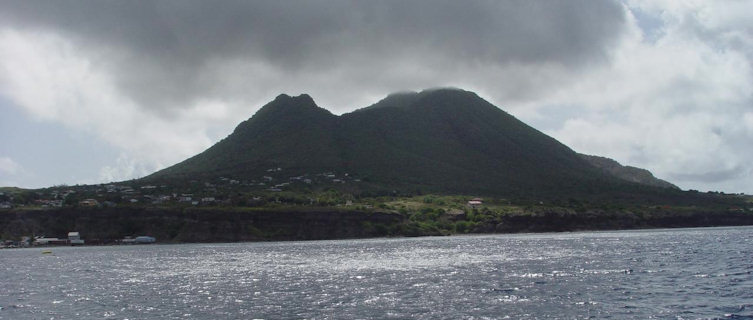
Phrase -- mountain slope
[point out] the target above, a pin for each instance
(290, 132)
(443, 140)
(453, 140)
(627, 173)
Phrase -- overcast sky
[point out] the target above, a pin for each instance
(98, 91)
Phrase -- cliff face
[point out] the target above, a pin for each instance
(103, 226)
(196, 225)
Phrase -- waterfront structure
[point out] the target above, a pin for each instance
(74, 238)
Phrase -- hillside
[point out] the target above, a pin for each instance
(290, 132)
(627, 173)
(454, 141)
(405, 166)
(439, 141)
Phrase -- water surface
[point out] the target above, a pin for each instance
(659, 274)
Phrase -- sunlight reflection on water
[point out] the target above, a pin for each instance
(681, 273)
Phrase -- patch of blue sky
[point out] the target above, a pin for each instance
(47, 152)
(650, 23)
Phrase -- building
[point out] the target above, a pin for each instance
(42, 241)
(88, 203)
(475, 202)
(74, 238)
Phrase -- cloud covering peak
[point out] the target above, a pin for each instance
(165, 54)
(653, 84)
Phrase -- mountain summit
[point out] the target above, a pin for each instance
(439, 140)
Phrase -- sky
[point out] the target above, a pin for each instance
(100, 91)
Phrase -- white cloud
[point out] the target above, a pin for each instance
(748, 120)
(124, 168)
(9, 167)
(673, 105)
(56, 81)
(10, 172)
(675, 99)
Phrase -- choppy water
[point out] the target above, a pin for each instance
(660, 274)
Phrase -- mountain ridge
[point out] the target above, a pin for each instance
(437, 140)
(628, 173)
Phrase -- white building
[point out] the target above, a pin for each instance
(74, 238)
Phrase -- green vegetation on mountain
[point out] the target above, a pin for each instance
(286, 218)
(405, 166)
(289, 132)
(444, 141)
(627, 173)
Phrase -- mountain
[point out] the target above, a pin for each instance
(627, 173)
(289, 132)
(441, 140)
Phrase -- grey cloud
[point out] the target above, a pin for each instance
(158, 50)
(710, 176)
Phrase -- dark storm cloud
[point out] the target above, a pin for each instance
(157, 50)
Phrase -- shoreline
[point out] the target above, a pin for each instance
(389, 237)
(105, 226)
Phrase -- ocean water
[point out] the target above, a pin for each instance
(704, 273)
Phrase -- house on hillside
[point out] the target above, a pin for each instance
(88, 203)
(475, 202)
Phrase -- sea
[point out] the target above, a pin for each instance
(703, 273)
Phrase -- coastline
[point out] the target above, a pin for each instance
(105, 226)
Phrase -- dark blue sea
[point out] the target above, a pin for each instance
(704, 273)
